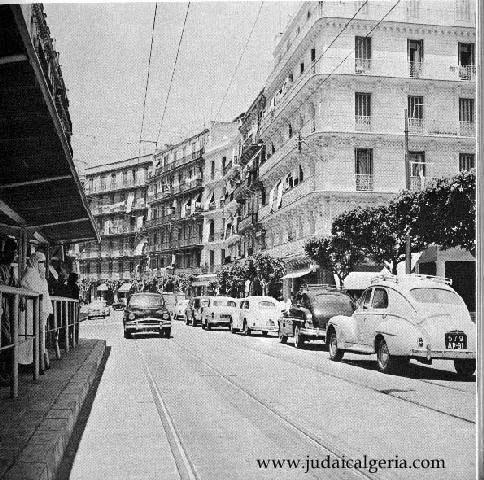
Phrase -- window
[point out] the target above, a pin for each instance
(211, 260)
(211, 234)
(380, 298)
(362, 110)
(413, 7)
(462, 10)
(313, 54)
(302, 67)
(467, 67)
(415, 113)
(417, 170)
(415, 57)
(466, 116)
(362, 54)
(364, 301)
(364, 169)
(103, 183)
(212, 170)
(467, 161)
(289, 130)
(113, 180)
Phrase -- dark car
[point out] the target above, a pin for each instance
(194, 309)
(307, 318)
(146, 312)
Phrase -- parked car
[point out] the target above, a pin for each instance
(257, 313)
(219, 312)
(308, 317)
(193, 311)
(98, 308)
(146, 312)
(407, 316)
(179, 309)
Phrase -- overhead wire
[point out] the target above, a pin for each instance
(147, 79)
(240, 58)
(173, 73)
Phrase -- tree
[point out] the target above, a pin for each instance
(267, 270)
(445, 212)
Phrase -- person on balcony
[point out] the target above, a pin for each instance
(33, 279)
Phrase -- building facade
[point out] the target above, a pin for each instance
(174, 229)
(117, 194)
(336, 100)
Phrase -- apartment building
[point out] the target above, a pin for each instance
(174, 229)
(221, 164)
(336, 99)
(117, 198)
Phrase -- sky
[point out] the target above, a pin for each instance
(104, 50)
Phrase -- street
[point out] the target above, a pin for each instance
(212, 405)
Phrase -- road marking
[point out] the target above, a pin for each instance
(188, 471)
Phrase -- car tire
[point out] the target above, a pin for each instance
(187, 322)
(207, 325)
(465, 368)
(127, 334)
(231, 327)
(335, 354)
(247, 330)
(386, 362)
(298, 337)
(282, 338)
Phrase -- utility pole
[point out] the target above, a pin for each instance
(408, 252)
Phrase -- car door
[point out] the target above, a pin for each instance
(375, 314)
(360, 315)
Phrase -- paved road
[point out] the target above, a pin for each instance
(208, 405)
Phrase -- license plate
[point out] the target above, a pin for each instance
(456, 341)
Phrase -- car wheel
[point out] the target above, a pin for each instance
(194, 322)
(335, 353)
(207, 325)
(186, 320)
(282, 338)
(464, 367)
(127, 334)
(298, 337)
(167, 332)
(231, 327)
(247, 330)
(388, 363)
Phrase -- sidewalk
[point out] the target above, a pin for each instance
(36, 427)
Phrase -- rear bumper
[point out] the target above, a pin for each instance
(313, 332)
(265, 328)
(443, 354)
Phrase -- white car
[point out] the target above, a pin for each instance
(218, 312)
(179, 310)
(407, 316)
(98, 308)
(257, 313)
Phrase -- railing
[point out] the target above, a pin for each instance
(467, 129)
(362, 123)
(21, 326)
(364, 182)
(362, 65)
(467, 72)
(415, 69)
(415, 125)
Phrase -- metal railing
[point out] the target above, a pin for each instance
(364, 182)
(362, 123)
(467, 72)
(415, 69)
(362, 65)
(21, 326)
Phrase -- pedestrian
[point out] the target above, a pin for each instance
(72, 286)
(33, 279)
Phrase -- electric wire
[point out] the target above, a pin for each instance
(147, 79)
(173, 72)
(240, 59)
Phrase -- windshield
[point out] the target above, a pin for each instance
(267, 304)
(435, 295)
(224, 303)
(328, 304)
(204, 302)
(147, 301)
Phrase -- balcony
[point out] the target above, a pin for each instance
(415, 125)
(467, 129)
(250, 221)
(156, 222)
(364, 182)
(194, 241)
(418, 183)
(278, 155)
(362, 66)
(415, 69)
(115, 187)
(362, 123)
(216, 237)
(467, 72)
(187, 186)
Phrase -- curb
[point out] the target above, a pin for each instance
(42, 455)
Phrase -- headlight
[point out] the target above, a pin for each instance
(165, 316)
(420, 342)
(131, 316)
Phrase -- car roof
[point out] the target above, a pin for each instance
(407, 282)
(260, 297)
(147, 294)
(223, 297)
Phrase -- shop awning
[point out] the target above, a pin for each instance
(125, 287)
(102, 288)
(297, 273)
(39, 185)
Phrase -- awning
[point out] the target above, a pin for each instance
(39, 186)
(297, 273)
(102, 288)
(125, 287)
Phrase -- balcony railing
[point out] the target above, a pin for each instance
(467, 129)
(418, 183)
(415, 125)
(364, 182)
(362, 123)
(247, 222)
(362, 65)
(415, 69)
(467, 72)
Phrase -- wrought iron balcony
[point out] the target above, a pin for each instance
(467, 129)
(362, 65)
(415, 69)
(415, 125)
(364, 182)
(467, 72)
(362, 123)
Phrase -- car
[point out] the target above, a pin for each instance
(308, 317)
(403, 317)
(118, 306)
(98, 308)
(146, 312)
(179, 309)
(193, 311)
(219, 312)
(257, 313)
